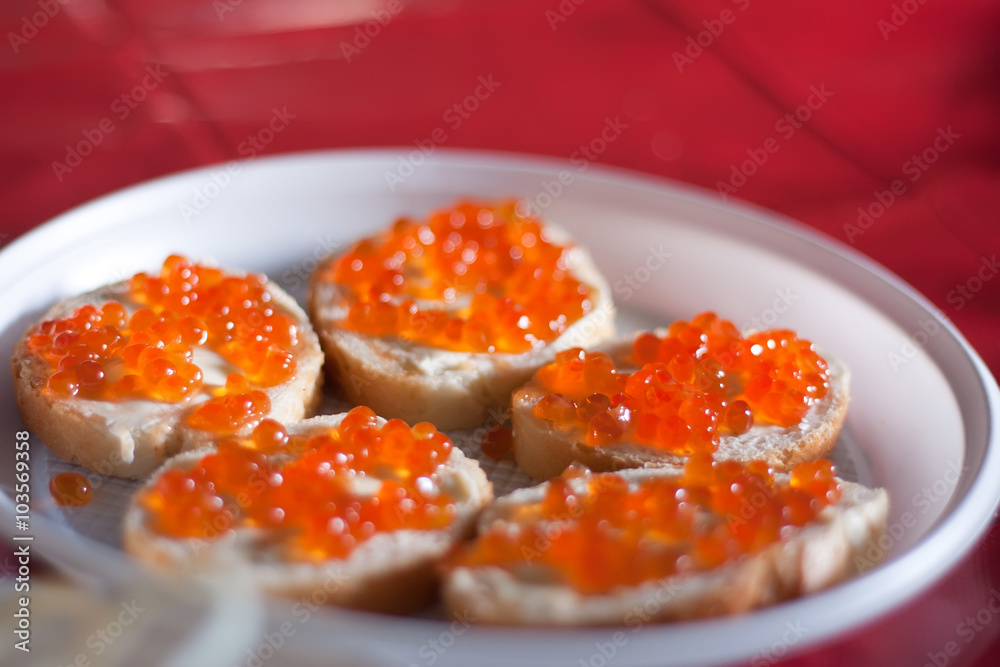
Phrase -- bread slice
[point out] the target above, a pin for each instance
(544, 449)
(452, 390)
(807, 559)
(390, 572)
(131, 438)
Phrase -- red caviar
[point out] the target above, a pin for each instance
(228, 413)
(313, 496)
(143, 347)
(700, 380)
(595, 532)
(505, 286)
(70, 489)
(497, 442)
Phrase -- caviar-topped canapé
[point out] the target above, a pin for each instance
(473, 278)
(684, 389)
(318, 495)
(144, 345)
(596, 532)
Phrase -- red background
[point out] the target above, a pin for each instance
(895, 74)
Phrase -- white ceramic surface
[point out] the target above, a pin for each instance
(921, 423)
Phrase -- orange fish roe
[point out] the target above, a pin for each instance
(315, 495)
(782, 376)
(497, 442)
(505, 286)
(228, 413)
(701, 379)
(143, 347)
(595, 532)
(70, 489)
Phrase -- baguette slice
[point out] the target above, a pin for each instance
(393, 572)
(807, 559)
(544, 449)
(131, 438)
(453, 390)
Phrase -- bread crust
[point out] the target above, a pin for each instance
(544, 450)
(809, 559)
(393, 572)
(452, 390)
(131, 438)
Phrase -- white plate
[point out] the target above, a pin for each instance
(921, 423)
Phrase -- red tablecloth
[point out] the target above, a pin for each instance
(871, 120)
